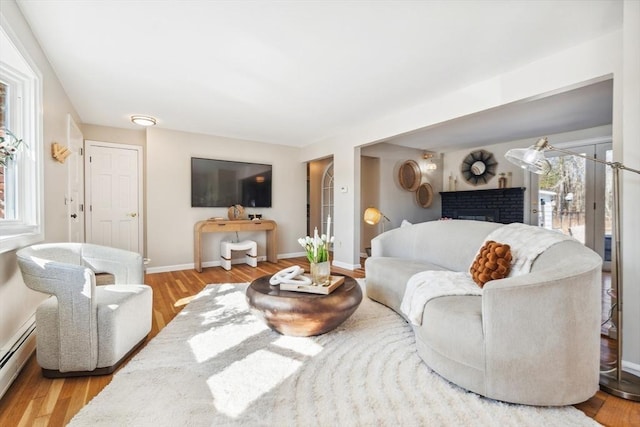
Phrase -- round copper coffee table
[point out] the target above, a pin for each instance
(302, 314)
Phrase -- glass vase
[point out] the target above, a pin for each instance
(320, 273)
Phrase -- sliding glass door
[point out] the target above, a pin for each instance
(575, 198)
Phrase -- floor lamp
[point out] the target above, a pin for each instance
(372, 216)
(623, 384)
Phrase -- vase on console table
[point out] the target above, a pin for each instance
(320, 272)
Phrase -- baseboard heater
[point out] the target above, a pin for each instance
(16, 355)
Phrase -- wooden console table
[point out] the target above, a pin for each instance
(224, 226)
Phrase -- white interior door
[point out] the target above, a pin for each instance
(75, 187)
(114, 196)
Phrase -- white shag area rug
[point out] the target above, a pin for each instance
(216, 364)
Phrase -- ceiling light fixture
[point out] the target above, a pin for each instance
(143, 120)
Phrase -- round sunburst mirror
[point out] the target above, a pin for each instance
(478, 167)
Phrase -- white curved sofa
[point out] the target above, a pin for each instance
(531, 339)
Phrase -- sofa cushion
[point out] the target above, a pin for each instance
(493, 262)
(387, 278)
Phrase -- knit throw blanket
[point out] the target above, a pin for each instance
(527, 243)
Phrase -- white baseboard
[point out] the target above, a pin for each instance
(345, 265)
(22, 347)
(178, 267)
(292, 255)
(632, 368)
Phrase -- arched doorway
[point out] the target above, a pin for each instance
(326, 209)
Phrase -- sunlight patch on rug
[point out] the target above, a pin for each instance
(226, 337)
(306, 347)
(243, 382)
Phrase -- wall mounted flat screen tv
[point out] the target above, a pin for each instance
(222, 183)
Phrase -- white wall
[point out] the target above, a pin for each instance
(170, 217)
(629, 154)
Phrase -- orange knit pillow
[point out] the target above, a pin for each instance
(493, 262)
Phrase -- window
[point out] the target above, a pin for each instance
(21, 181)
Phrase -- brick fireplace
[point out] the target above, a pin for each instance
(503, 205)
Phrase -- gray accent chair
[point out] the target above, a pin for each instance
(84, 329)
(532, 339)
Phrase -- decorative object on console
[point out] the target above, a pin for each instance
(236, 212)
(372, 216)
(424, 195)
(478, 167)
(59, 152)
(623, 384)
(493, 262)
(410, 175)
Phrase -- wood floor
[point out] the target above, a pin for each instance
(36, 401)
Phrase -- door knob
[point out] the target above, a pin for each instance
(74, 216)
(534, 211)
(133, 214)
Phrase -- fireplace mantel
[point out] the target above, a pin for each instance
(503, 205)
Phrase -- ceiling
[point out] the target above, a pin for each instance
(295, 73)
